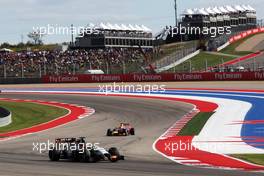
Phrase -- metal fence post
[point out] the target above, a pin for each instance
(254, 60)
(40, 71)
(124, 67)
(206, 65)
(90, 65)
(45, 69)
(5, 75)
(74, 69)
(107, 68)
(57, 70)
(22, 70)
(190, 66)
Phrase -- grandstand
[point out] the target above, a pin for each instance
(235, 16)
(238, 18)
(114, 36)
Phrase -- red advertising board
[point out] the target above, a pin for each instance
(246, 34)
(239, 76)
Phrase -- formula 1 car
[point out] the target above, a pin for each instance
(124, 129)
(75, 149)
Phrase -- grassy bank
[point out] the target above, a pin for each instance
(198, 62)
(25, 115)
(194, 126)
(252, 158)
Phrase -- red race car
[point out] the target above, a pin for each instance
(125, 129)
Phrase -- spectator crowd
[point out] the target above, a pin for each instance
(16, 64)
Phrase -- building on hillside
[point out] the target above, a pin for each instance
(238, 17)
(114, 36)
(234, 19)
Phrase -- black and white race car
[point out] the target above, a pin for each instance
(75, 149)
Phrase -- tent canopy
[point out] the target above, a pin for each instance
(121, 27)
(218, 10)
(6, 50)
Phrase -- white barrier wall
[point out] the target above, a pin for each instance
(223, 46)
(178, 62)
(4, 121)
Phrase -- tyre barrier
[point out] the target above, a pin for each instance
(5, 117)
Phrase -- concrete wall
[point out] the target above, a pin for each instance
(20, 80)
(5, 117)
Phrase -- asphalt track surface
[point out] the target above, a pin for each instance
(150, 117)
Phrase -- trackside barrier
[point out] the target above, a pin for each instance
(237, 60)
(170, 77)
(20, 80)
(178, 62)
(5, 117)
(246, 34)
(223, 46)
(240, 36)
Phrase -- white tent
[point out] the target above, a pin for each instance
(132, 27)
(122, 27)
(210, 11)
(217, 10)
(6, 50)
(200, 12)
(245, 7)
(117, 27)
(110, 26)
(139, 28)
(239, 8)
(125, 28)
(251, 8)
(188, 12)
(223, 10)
(230, 9)
(146, 29)
(103, 26)
(90, 26)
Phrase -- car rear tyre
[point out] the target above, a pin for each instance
(85, 156)
(132, 131)
(54, 155)
(109, 132)
(114, 154)
(75, 156)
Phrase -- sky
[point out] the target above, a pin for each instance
(19, 17)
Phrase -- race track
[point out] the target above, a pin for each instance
(151, 118)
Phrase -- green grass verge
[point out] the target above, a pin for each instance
(194, 126)
(25, 115)
(198, 62)
(252, 158)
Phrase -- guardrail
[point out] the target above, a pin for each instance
(5, 117)
(166, 77)
(20, 80)
(169, 77)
